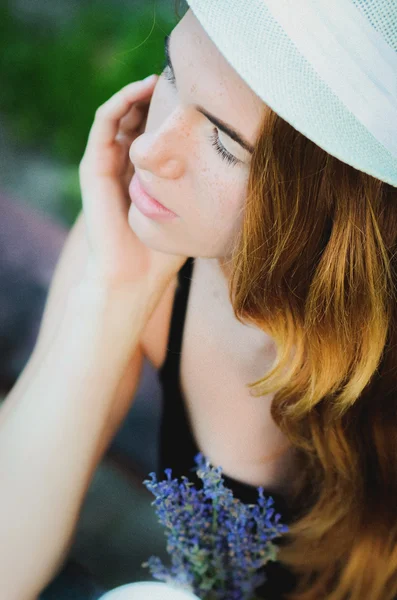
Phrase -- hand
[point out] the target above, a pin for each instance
(117, 257)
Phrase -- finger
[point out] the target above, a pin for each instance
(131, 121)
(129, 130)
(108, 115)
(129, 172)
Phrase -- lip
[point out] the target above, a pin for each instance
(146, 204)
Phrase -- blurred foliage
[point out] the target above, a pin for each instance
(52, 81)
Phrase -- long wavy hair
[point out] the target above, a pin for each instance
(315, 267)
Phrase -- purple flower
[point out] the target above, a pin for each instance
(217, 544)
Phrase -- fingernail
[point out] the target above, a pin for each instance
(149, 77)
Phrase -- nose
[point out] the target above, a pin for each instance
(163, 151)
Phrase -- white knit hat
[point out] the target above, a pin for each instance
(327, 67)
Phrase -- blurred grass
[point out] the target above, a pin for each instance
(52, 81)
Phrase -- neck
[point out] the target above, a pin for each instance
(225, 267)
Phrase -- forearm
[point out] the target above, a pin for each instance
(50, 439)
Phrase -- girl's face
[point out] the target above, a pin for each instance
(176, 159)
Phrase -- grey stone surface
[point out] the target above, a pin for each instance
(118, 529)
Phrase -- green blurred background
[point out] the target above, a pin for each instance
(59, 61)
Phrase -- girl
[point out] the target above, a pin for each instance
(270, 144)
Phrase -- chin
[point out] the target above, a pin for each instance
(150, 233)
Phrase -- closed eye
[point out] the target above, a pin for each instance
(216, 143)
(168, 74)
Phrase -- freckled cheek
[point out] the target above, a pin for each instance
(233, 198)
(225, 212)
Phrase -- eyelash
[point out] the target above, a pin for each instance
(221, 150)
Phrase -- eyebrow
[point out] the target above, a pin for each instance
(230, 131)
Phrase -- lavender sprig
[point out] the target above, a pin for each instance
(217, 544)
